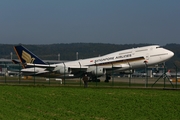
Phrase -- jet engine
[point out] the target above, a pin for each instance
(127, 72)
(62, 70)
(98, 71)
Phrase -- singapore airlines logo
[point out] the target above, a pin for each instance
(27, 57)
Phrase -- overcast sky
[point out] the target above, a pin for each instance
(89, 21)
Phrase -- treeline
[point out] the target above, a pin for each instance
(84, 50)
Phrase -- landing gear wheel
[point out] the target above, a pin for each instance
(94, 79)
(107, 78)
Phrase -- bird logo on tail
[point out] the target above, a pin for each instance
(27, 57)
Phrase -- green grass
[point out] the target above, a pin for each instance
(78, 103)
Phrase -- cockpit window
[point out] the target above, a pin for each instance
(158, 47)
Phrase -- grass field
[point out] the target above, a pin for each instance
(78, 103)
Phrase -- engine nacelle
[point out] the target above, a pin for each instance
(127, 72)
(98, 71)
(62, 70)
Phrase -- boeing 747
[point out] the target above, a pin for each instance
(95, 67)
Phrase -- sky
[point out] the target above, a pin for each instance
(90, 21)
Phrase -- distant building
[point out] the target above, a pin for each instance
(6, 65)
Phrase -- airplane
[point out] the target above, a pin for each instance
(95, 67)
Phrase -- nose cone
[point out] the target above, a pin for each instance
(171, 54)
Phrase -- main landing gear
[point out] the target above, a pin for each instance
(107, 78)
(94, 79)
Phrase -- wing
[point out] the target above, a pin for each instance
(60, 68)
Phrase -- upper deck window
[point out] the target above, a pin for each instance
(141, 50)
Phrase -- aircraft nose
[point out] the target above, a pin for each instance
(171, 54)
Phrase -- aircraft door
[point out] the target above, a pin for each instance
(147, 56)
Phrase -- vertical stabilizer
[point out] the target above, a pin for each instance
(26, 56)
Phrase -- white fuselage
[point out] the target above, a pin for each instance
(118, 61)
(133, 58)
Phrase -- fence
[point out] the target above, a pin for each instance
(141, 80)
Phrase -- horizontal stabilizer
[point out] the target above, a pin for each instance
(15, 62)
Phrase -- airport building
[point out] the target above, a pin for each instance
(7, 67)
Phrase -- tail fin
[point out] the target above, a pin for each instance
(26, 56)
